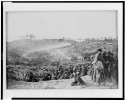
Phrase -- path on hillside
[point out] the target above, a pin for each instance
(55, 46)
(59, 84)
(59, 53)
(52, 49)
(55, 50)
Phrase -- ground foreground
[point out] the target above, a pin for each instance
(59, 84)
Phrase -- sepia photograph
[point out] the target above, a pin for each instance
(48, 50)
(62, 50)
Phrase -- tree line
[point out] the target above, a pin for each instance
(28, 36)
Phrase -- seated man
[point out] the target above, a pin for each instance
(78, 80)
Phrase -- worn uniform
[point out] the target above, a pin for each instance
(98, 64)
(107, 64)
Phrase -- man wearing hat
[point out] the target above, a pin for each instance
(98, 64)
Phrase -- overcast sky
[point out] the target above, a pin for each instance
(82, 24)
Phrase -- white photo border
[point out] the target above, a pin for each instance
(63, 93)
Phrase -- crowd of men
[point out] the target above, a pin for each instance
(103, 67)
(62, 72)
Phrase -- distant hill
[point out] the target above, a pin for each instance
(32, 48)
(28, 44)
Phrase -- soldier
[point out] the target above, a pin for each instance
(116, 66)
(78, 80)
(112, 68)
(107, 64)
(61, 72)
(98, 64)
(71, 71)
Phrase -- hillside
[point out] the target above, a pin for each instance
(54, 49)
(34, 45)
(28, 48)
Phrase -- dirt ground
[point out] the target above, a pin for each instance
(59, 84)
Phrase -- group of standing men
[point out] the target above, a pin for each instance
(104, 65)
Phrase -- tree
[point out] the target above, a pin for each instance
(31, 36)
(34, 36)
(27, 36)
